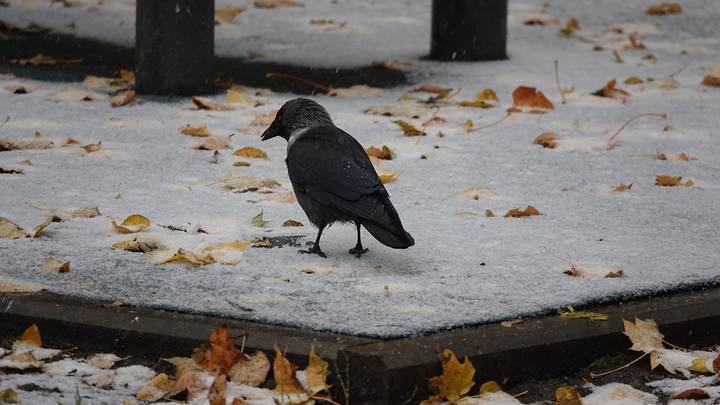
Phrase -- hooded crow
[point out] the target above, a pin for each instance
(333, 178)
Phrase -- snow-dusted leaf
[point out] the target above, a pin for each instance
(102, 380)
(8, 285)
(226, 253)
(7, 144)
(54, 265)
(132, 224)
(264, 119)
(643, 334)
(214, 143)
(104, 360)
(189, 376)
(139, 244)
(242, 183)
(134, 376)
(9, 396)
(250, 369)
(619, 188)
(156, 388)
(387, 176)
(200, 132)
(84, 212)
(315, 373)
(180, 256)
(284, 373)
(204, 104)
(10, 230)
(68, 366)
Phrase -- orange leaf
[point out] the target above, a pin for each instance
(622, 187)
(292, 222)
(456, 379)
(664, 8)
(195, 131)
(222, 353)
(667, 181)
(382, 152)
(611, 91)
(693, 393)
(547, 140)
(205, 104)
(408, 129)
(316, 372)
(32, 336)
(250, 152)
(284, 373)
(518, 213)
(529, 97)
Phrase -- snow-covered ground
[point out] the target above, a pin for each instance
(465, 267)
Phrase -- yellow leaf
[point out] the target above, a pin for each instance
(531, 98)
(123, 98)
(664, 8)
(10, 230)
(711, 80)
(127, 75)
(183, 256)
(277, 4)
(284, 373)
(31, 336)
(138, 245)
(259, 220)
(132, 224)
(685, 157)
(701, 366)
(547, 140)
(225, 253)
(468, 125)
(55, 266)
(316, 372)
(619, 273)
(595, 316)
(292, 222)
(633, 80)
(456, 379)
(567, 395)
(490, 386)
(485, 98)
(357, 90)
(235, 96)
(408, 129)
(667, 181)
(9, 396)
(228, 14)
(195, 131)
(156, 388)
(518, 213)
(93, 147)
(241, 163)
(205, 104)
(251, 152)
(644, 335)
(387, 176)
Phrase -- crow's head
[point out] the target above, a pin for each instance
(297, 114)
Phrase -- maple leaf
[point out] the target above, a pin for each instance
(664, 8)
(284, 374)
(132, 224)
(611, 91)
(644, 335)
(201, 132)
(251, 152)
(205, 104)
(221, 354)
(316, 372)
(409, 129)
(456, 379)
(382, 152)
(518, 213)
(546, 140)
(54, 265)
(532, 99)
(250, 369)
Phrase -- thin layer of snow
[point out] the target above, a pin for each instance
(669, 386)
(465, 268)
(618, 394)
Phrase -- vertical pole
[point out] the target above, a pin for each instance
(469, 30)
(174, 46)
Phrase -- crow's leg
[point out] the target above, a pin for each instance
(315, 249)
(358, 249)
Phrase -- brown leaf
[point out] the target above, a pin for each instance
(531, 98)
(693, 393)
(567, 395)
(205, 104)
(7, 144)
(611, 91)
(277, 4)
(382, 152)
(54, 265)
(218, 389)
(265, 119)
(38, 231)
(70, 141)
(633, 80)
(409, 129)
(684, 156)
(316, 372)
(31, 336)
(622, 187)
(667, 181)
(489, 213)
(138, 245)
(547, 140)
(431, 88)
(291, 223)
(661, 156)
(251, 370)
(213, 143)
(711, 80)
(517, 213)
(284, 373)
(222, 354)
(156, 388)
(619, 273)
(126, 97)
(664, 8)
(634, 43)
(189, 378)
(93, 147)
(201, 132)
(485, 98)
(251, 152)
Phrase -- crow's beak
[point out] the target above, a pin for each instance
(271, 132)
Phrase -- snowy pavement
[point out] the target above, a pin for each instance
(465, 268)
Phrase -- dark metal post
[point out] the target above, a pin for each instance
(174, 46)
(469, 30)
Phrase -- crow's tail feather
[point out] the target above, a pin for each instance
(398, 239)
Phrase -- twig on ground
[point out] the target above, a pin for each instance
(604, 373)
(504, 117)
(316, 85)
(612, 141)
(328, 400)
(557, 82)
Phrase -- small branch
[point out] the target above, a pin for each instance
(658, 115)
(520, 394)
(38, 208)
(328, 400)
(557, 82)
(594, 375)
(677, 72)
(676, 346)
(492, 124)
(315, 85)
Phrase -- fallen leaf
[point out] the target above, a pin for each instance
(634, 43)
(291, 223)
(284, 373)
(693, 393)
(225, 253)
(701, 366)
(622, 187)
(127, 75)
(664, 8)
(644, 335)
(213, 143)
(489, 213)
(221, 354)
(358, 90)
(633, 80)
(402, 110)
(235, 96)
(532, 99)
(539, 19)
(31, 336)
(476, 193)
(547, 140)
(132, 224)
(84, 212)
(156, 388)
(218, 389)
(286, 198)
(485, 98)
(251, 152)
(250, 369)
(10, 230)
(574, 271)
(205, 104)
(195, 131)
(431, 88)
(54, 265)
(382, 152)
(611, 91)
(104, 360)
(619, 273)
(18, 286)
(571, 26)
(70, 141)
(511, 322)
(9, 396)
(567, 395)
(316, 373)
(227, 14)
(711, 80)
(467, 125)
(38, 231)
(661, 155)
(667, 181)
(242, 183)
(387, 176)
(6, 145)
(114, 304)
(189, 378)
(595, 316)
(259, 220)
(93, 147)
(518, 213)
(241, 163)
(456, 379)
(181, 256)
(139, 245)
(409, 129)
(277, 4)
(684, 156)
(123, 98)
(264, 119)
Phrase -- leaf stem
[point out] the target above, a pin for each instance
(604, 373)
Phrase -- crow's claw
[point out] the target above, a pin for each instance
(358, 251)
(313, 250)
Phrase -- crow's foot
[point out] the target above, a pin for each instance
(313, 250)
(358, 251)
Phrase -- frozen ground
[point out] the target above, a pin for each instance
(465, 268)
